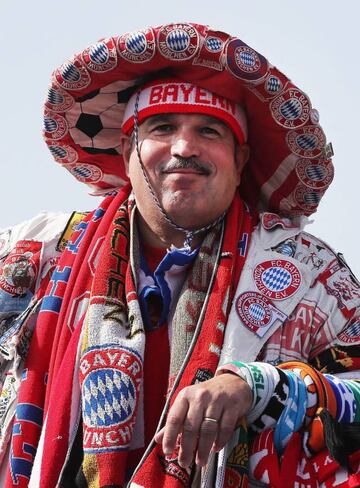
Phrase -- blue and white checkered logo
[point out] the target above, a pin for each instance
(70, 73)
(109, 398)
(58, 152)
(291, 109)
(136, 43)
(257, 311)
(178, 40)
(276, 278)
(248, 59)
(82, 172)
(273, 84)
(50, 125)
(214, 44)
(54, 97)
(312, 198)
(315, 172)
(99, 53)
(307, 141)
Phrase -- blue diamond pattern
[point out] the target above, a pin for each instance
(58, 152)
(315, 172)
(109, 398)
(312, 198)
(353, 330)
(257, 311)
(82, 171)
(70, 72)
(247, 58)
(178, 40)
(307, 141)
(276, 279)
(50, 125)
(273, 84)
(214, 44)
(99, 53)
(136, 43)
(291, 109)
(54, 97)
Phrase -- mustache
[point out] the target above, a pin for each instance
(187, 163)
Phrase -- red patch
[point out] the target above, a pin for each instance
(277, 279)
(178, 42)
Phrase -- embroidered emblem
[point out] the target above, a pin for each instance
(351, 333)
(307, 198)
(202, 374)
(287, 247)
(110, 379)
(172, 468)
(307, 142)
(101, 56)
(314, 116)
(271, 220)
(214, 44)
(88, 173)
(73, 75)
(63, 154)
(315, 174)
(58, 100)
(244, 62)
(211, 51)
(137, 47)
(291, 109)
(178, 42)
(257, 312)
(55, 126)
(273, 85)
(277, 279)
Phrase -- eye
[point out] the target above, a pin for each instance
(162, 128)
(211, 131)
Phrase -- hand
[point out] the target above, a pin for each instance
(225, 398)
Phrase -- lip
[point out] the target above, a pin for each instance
(184, 172)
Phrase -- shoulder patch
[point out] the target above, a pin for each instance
(75, 219)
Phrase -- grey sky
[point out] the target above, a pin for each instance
(315, 42)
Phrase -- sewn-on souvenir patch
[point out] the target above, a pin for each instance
(63, 153)
(307, 142)
(270, 220)
(244, 62)
(55, 126)
(316, 174)
(101, 57)
(110, 379)
(88, 173)
(73, 75)
(291, 109)
(178, 41)
(351, 333)
(257, 312)
(277, 278)
(58, 100)
(137, 47)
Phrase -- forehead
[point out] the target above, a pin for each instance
(196, 118)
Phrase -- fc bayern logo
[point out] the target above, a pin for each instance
(244, 62)
(273, 85)
(55, 126)
(214, 44)
(316, 174)
(307, 142)
(137, 47)
(58, 100)
(277, 279)
(73, 75)
(87, 173)
(62, 153)
(351, 333)
(110, 379)
(307, 198)
(254, 310)
(291, 109)
(101, 57)
(178, 42)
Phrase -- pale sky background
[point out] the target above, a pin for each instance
(315, 42)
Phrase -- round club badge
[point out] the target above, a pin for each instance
(316, 174)
(137, 47)
(291, 109)
(58, 100)
(110, 381)
(87, 173)
(307, 142)
(101, 57)
(307, 198)
(277, 279)
(214, 44)
(55, 126)
(178, 42)
(244, 62)
(273, 85)
(62, 153)
(254, 310)
(351, 333)
(73, 75)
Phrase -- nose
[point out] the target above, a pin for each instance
(185, 145)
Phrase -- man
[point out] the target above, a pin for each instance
(176, 311)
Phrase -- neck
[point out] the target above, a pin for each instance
(163, 235)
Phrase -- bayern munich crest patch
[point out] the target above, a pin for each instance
(351, 333)
(101, 57)
(137, 47)
(291, 109)
(316, 174)
(178, 42)
(257, 312)
(73, 75)
(110, 377)
(307, 142)
(277, 279)
(244, 62)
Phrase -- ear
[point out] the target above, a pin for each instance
(126, 147)
(242, 154)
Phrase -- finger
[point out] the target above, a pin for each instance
(159, 436)
(208, 434)
(174, 424)
(190, 433)
(226, 428)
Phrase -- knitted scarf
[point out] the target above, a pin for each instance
(88, 349)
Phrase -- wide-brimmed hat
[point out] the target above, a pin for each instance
(289, 167)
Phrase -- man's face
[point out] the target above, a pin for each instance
(193, 164)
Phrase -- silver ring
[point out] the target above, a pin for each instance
(210, 420)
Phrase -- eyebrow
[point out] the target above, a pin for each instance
(167, 117)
